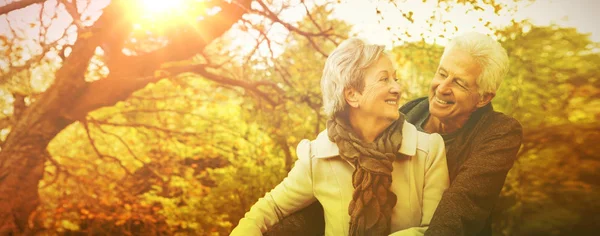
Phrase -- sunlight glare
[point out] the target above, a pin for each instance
(153, 7)
(159, 15)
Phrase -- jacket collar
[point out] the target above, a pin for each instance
(322, 147)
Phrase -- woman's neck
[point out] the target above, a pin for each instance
(367, 128)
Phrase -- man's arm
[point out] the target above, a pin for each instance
(467, 204)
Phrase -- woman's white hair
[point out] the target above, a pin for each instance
(490, 55)
(345, 68)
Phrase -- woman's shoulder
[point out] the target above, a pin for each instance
(414, 140)
(320, 147)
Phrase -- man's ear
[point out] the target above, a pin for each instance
(485, 99)
(352, 96)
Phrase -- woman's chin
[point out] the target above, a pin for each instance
(390, 118)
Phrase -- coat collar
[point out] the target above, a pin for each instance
(322, 147)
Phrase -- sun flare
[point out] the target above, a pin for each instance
(154, 7)
(163, 14)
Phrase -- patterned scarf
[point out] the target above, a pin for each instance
(372, 201)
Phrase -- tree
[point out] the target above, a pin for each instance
(552, 90)
(100, 68)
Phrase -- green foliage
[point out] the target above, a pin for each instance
(552, 90)
(417, 63)
(553, 70)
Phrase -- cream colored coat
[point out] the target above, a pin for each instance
(320, 174)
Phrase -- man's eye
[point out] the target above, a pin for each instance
(442, 74)
(385, 79)
(460, 84)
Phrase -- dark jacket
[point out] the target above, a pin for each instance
(478, 161)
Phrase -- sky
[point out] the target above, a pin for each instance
(569, 13)
(361, 14)
(367, 24)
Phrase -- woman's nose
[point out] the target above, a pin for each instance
(395, 89)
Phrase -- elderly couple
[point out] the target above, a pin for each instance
(434, 168)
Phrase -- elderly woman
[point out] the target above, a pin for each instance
(374, 173)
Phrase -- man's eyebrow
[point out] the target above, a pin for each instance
(456, 77)
(462, 81)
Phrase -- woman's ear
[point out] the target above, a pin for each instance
(352, 97)
(485, 99)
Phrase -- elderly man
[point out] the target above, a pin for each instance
(481, 144)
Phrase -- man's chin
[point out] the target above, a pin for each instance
(437, 112)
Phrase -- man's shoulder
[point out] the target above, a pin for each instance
(499, 120)
(496, 124)
(408, 107)
(415, 109)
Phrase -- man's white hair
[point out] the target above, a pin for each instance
(488, 53)
(345, 68)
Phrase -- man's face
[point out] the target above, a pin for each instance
(453, 95)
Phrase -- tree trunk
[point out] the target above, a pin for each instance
(69, 99)
(286, 151)
(21, 170)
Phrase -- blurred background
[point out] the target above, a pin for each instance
(149, 117)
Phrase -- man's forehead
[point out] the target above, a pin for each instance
(459, 64)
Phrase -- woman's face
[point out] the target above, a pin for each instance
(379, 98)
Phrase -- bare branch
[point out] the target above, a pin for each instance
(308, 35)
(259, 41)
(16, 5)
(71, 8)
(179, 112)
(122, 142)
(59, 170)
(253, 87)
(102, 156)
(310, 16)
(152, 98)
(145, 126)
(271, 15)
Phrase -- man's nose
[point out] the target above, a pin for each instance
(445, 85)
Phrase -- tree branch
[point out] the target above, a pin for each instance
(253, 87)
(100, 155)
(19, 107)
(145, 126)
(73, 11)
(131, 73)
(131, 152)
(18, 5)
(59, 170)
